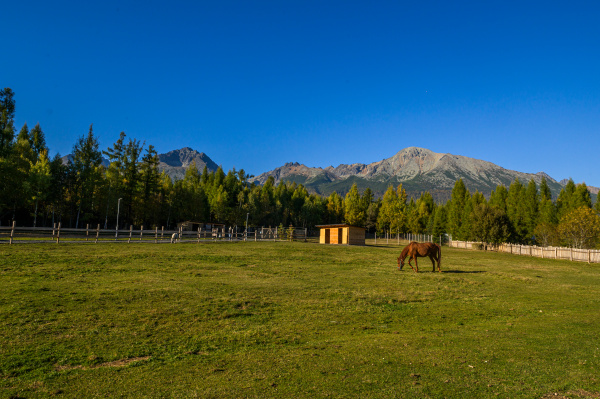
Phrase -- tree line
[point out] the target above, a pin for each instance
(39, 191)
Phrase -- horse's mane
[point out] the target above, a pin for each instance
(404, 252)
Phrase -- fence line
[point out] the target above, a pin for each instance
(572, 254)
(388, 238)
(57, 234)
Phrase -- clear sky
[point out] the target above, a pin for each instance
(255, 84)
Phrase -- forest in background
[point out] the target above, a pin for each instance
(38, 191)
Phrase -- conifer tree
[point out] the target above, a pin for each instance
(38, 182)
(372, 214)
(531, 203)
(564, 202)
(335, 208)
(581, 197)
(400, 223)
(86, 169)
(150, 180)
(388, 210)
(515, 210)
(456, 205)
(545, 193)
(354, 213)
(7, 114)
(439, 221)
(38, 140)
(498, 198)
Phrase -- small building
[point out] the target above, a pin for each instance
(341, 234)
(193, 226)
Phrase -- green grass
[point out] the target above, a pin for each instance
(293, 320)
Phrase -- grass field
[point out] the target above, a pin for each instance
(293, 320)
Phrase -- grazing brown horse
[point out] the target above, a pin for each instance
(415, 249)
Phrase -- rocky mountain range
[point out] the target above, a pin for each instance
(418, 169)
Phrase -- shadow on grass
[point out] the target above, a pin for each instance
(462, 271)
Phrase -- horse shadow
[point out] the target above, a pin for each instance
(463, 271)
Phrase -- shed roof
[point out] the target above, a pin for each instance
(325, 226)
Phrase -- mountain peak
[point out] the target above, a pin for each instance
(185, 156)
(175, 162)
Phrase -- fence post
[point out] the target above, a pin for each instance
(87, 231)
(97, 233)
(155, 234)
(53, 231)
(305, 233)
(130, 233)
(58, 233)
(162, 232)
(141, 232)
(589, 256)
(12, 232)
(198, 235)
(571, 253)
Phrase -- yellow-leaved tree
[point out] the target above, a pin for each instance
(580, 228)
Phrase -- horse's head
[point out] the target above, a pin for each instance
(401, 258)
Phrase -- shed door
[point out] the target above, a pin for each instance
(327, 236)
(340, 236)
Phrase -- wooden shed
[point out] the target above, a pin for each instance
(189, 225)
(341, 234)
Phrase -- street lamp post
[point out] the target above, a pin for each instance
(118, 209)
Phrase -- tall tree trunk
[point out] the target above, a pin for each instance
(35, 213)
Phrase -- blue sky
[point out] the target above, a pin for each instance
(257, 84)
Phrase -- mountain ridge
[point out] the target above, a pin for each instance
(418, 169)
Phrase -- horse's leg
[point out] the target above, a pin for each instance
(432, 257)
(416, 265)
(411, 266)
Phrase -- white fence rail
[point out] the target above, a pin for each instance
(573, 254)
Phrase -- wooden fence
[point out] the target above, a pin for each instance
(57, 233)
(573, 254)
(401, 239)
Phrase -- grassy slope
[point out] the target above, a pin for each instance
(292, 319)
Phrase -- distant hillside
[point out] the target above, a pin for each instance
(418, 170)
